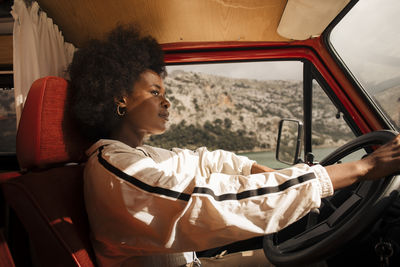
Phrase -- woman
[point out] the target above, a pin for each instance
(153, 207)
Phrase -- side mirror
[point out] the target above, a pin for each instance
(289, 141)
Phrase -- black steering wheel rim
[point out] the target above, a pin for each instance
(350, 219)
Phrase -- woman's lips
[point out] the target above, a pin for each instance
(164, 116)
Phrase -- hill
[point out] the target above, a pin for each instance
(239, 114)
(390, 99)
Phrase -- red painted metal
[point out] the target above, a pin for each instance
(312, 50)
(188, 46)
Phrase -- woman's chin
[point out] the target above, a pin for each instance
(159, 131)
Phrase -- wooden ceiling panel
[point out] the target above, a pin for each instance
(169, 21)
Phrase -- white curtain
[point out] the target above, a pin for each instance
(38, 49)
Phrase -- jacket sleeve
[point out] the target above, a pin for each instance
(135, 204)
(221, 161)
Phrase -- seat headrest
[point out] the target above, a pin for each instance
(46, 133)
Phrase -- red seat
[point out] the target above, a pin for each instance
(48, 197)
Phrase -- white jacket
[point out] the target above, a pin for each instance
(149, 201)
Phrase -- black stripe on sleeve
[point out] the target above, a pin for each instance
(202, 190)
(138, 183)
(256, 192)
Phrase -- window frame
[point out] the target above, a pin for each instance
(313, 69)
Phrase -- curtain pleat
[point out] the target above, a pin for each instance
(39, 49)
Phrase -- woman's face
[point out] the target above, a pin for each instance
(147, 107)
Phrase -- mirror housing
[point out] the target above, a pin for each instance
(289, 141)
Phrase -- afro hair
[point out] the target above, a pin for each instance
(105, 70)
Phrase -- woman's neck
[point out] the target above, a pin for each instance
(127, 136)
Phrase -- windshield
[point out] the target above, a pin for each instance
(367, 41)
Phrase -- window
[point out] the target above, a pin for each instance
(238, 106)
(329, 129)
(367, 40)
(8, 122)
(232, 106)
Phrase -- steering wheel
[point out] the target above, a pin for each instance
(340, 218)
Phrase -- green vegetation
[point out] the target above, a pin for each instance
(215, 135)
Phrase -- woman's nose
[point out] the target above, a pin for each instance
(165, 102)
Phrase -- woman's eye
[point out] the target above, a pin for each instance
(155, 92)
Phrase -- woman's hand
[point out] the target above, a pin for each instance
(382, 162)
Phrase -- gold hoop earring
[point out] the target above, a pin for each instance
(119, 112)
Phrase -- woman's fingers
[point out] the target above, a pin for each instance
(384, 161)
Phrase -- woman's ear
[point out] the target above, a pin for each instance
(121, 101)
(121, 105)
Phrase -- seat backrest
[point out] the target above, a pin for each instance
(46, 132)
(48, 198)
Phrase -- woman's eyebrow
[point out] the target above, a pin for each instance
(156, 85)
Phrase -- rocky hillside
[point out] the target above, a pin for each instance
(390, 100)
(7, 120)
(238, 114)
